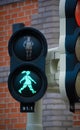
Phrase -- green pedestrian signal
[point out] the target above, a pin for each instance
(27, 81)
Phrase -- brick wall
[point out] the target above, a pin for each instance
(45, 17)
(10, 116)
(47, 21)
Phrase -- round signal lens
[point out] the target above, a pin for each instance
(77, 48)
(77, 85)
(77, 13)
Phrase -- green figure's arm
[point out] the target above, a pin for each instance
(32, 80)
(21, 79)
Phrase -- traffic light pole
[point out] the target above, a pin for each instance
(34, 120)
(53, 69)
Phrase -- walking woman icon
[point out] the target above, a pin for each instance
(27, 82)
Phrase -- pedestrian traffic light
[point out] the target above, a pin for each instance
(70, 51)
(27, 81)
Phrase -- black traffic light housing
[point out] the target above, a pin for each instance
(72, 62)
(27, 81)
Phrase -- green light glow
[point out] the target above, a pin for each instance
(27, 82)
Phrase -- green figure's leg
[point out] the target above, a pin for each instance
(20, 90)
(32, 90)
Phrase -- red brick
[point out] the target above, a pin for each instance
(1, 48)
(11, 105)
(34, 1)
(2, 115)
(1, 29)
(2, 12)
(1, 18)
(1, 59)
(3, 95)
(3, 33)
(23, 19)
(14, 120)
(7, 121)
(7, 58)
(15, 10)
(1, 111)
(77, 111)
(1, 90)
(3, 53)
(7, 27)
(2, 127)
(14, 115)
(14, 110)
(28, 12)
(1, 39)
(3, 23)
(3, 64)
(11, 126)
(7, 17)
(74, 117)
(8, 63)
(1, 8)
(30, 7)
(6, 89)
(14, 15)
(20, 14)
(35, 11)
(2, 43)
(7, 38)
(20, 4)
(27, 2)
(76, 123)
(3, 85)
(20, 120)
(17, 104)
(2, 105)
(7, 110)
(11, 21)
(28, 23)
(78, 117)
(14, 5)
(21, 126)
